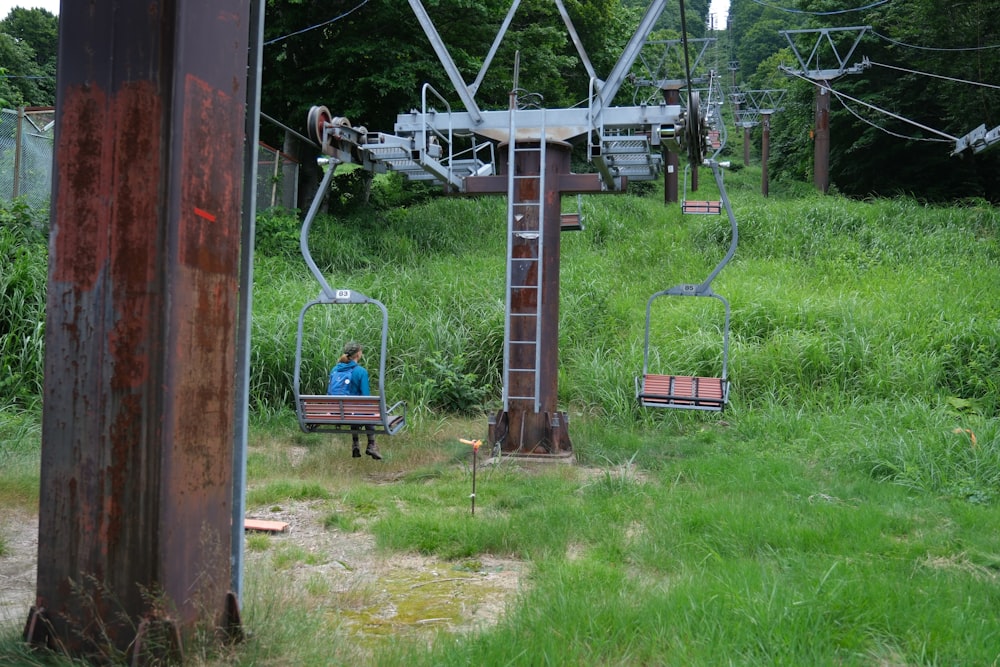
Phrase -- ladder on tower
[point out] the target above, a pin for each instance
(523, 317)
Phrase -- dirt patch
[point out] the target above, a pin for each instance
(376, 594)
(372, 595)
(18, 566)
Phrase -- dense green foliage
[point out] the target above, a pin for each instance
(933, 70)
(23, 253)
(28, 48)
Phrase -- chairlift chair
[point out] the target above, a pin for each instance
(684, 391)
(697, 207)
(320, 413)
(573, 222)
(688, 392)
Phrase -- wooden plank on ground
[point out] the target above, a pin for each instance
(267, 526)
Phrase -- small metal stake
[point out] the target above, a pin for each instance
(475, 455)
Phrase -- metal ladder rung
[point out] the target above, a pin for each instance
(530, 242)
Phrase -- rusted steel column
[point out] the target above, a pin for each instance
(523, 430)
(545, 432)
(821, 138)
(746, 145)
(671, 191)
(765, 150)
(137, 432)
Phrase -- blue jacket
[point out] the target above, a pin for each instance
(359, 378)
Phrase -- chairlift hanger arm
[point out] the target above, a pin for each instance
(307, 225)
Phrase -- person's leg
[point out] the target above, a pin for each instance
(355, 444)
(372, 449)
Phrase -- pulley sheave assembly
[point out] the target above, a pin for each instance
(695, 130)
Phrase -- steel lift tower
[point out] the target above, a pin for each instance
(664, 63)
(756, 108)
(523, 152)
(810, 68)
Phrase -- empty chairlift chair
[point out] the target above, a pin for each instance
(698, 207)
(688, 392)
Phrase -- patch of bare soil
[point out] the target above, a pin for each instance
(375, 594)
(18, 566)
(372, 594)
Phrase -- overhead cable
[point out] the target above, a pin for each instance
(890, 132)
(936, 76)
(935, 48)
(318, 25)
(829, 13)
(841, 96)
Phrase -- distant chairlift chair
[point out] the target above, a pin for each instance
(697, 207)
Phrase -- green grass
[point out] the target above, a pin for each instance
(841, 512)
(20, 439)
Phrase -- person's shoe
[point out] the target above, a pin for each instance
(356, 451)
(372, 451)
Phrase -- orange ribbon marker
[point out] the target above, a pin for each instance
(475, 455)
(972, 436)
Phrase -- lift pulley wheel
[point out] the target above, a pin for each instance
(316, 123)
(694, 130)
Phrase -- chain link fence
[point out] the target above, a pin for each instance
(26, 137)
(26, 144)
(277, 179)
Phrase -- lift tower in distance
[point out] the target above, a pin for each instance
(810, 68)
(523, 151)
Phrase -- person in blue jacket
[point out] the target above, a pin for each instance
(349, 377)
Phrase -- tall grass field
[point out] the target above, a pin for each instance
(843, 510)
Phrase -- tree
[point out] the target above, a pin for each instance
(21, 77)
(28, 46)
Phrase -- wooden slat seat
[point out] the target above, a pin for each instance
(701, 207)
(322, 413)
(570, 222)
(682, 391)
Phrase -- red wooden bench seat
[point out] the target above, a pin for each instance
(682, 391)
(702, 207)
(570, 222)
(320, 412)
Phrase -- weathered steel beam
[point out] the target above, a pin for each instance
(141, 327)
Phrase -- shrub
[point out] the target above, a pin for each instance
(23, 269)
